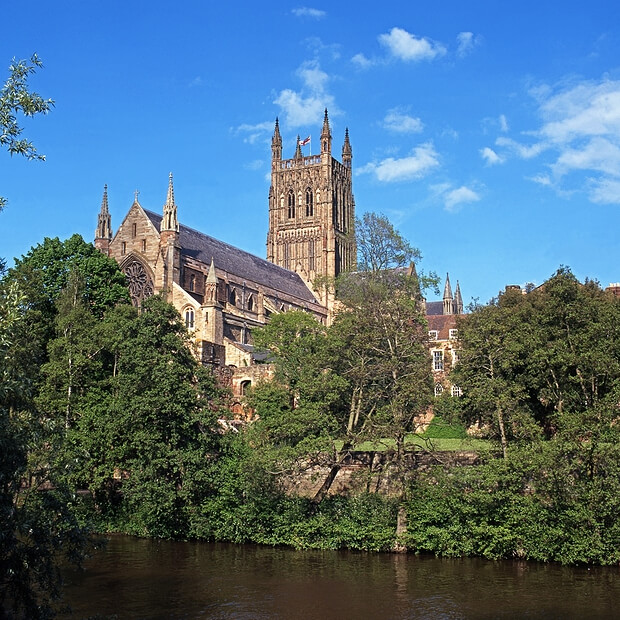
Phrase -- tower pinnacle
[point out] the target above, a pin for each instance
(448, 300)
(326, 135)
(103, 233)
(169, 221)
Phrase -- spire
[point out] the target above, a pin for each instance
(448, 301)
(210, 297)
(103, 233)
(276, 142)
(326, 135)
(169, 221)
(347, 153)
(298, 154)
(458, 300)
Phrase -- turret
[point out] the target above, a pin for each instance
(103, 233)
(298, 154)
(458, 300)
(276, 143)
(347, 153)
(448, 301)
(326, 136)
(169, 221)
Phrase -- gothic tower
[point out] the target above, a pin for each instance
(311, 209)
(103, 234)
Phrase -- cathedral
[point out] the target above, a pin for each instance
(223, 292)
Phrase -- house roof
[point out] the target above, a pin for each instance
(434, 307)
(236, 262)
(442, 324)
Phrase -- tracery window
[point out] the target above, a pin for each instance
(139, 282)
(291, 205)
(438, 389)
(189, 318)
(309, 203)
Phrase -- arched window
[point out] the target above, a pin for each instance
(189, 318)
(232, 297)
(438, 389)
(251, 303)
(309, 203)
(291, 205)
(244, 386)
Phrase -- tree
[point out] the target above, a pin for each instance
(16, 98)
(149, 424)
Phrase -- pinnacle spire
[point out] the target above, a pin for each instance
(347, 153)
(326, 135)
(458, 300)
(211, 277)
(276, 142)
(104, 220)
(448, 300)
(298, 154)
(169, 221)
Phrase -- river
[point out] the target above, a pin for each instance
(137, 578)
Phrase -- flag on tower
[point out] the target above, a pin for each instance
(304, 142)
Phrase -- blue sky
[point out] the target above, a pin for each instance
(488, 132)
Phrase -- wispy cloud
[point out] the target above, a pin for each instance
(197, 81)
(399, 121)
(579, 135)
(466, 43)
(305, 11)
(490, 156)
(503, 123)
(361, 61)
(305, 107)
(421, 162)
(406, 46)
(253, 133)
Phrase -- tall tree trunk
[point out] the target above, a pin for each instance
(333, 472)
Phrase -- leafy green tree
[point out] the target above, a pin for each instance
(16, 98)
(151, 426)
(36, 528)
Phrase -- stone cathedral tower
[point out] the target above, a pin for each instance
(312, 210)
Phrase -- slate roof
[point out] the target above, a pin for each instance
(442, 324)
(228, 258)
(434, 308)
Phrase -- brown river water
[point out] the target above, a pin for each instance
(137, 578)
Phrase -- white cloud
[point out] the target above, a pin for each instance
(400, 122)
(466, 41)
(423, 159)
(579, 135)
(361, 61)
(456, 197)
(605, 191)
(306, 107)
(408, 47)
(255, 164)
(503, 123)
(197, 81)
(305, 11)
(253, 133)
(490, 156)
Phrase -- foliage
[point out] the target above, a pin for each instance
(16, 98)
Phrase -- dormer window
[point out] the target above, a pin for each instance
(433, 334)
(454, 334)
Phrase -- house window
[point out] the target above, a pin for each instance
(438, 389)
(433, 334)
(456, 391)
(437, 360)
(454, 334)
(309, 203)
(189, 318)
(291, 205)
(456, 355)
(192, 283)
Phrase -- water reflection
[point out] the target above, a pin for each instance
(135, 578)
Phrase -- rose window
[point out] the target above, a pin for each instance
(140, 284)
